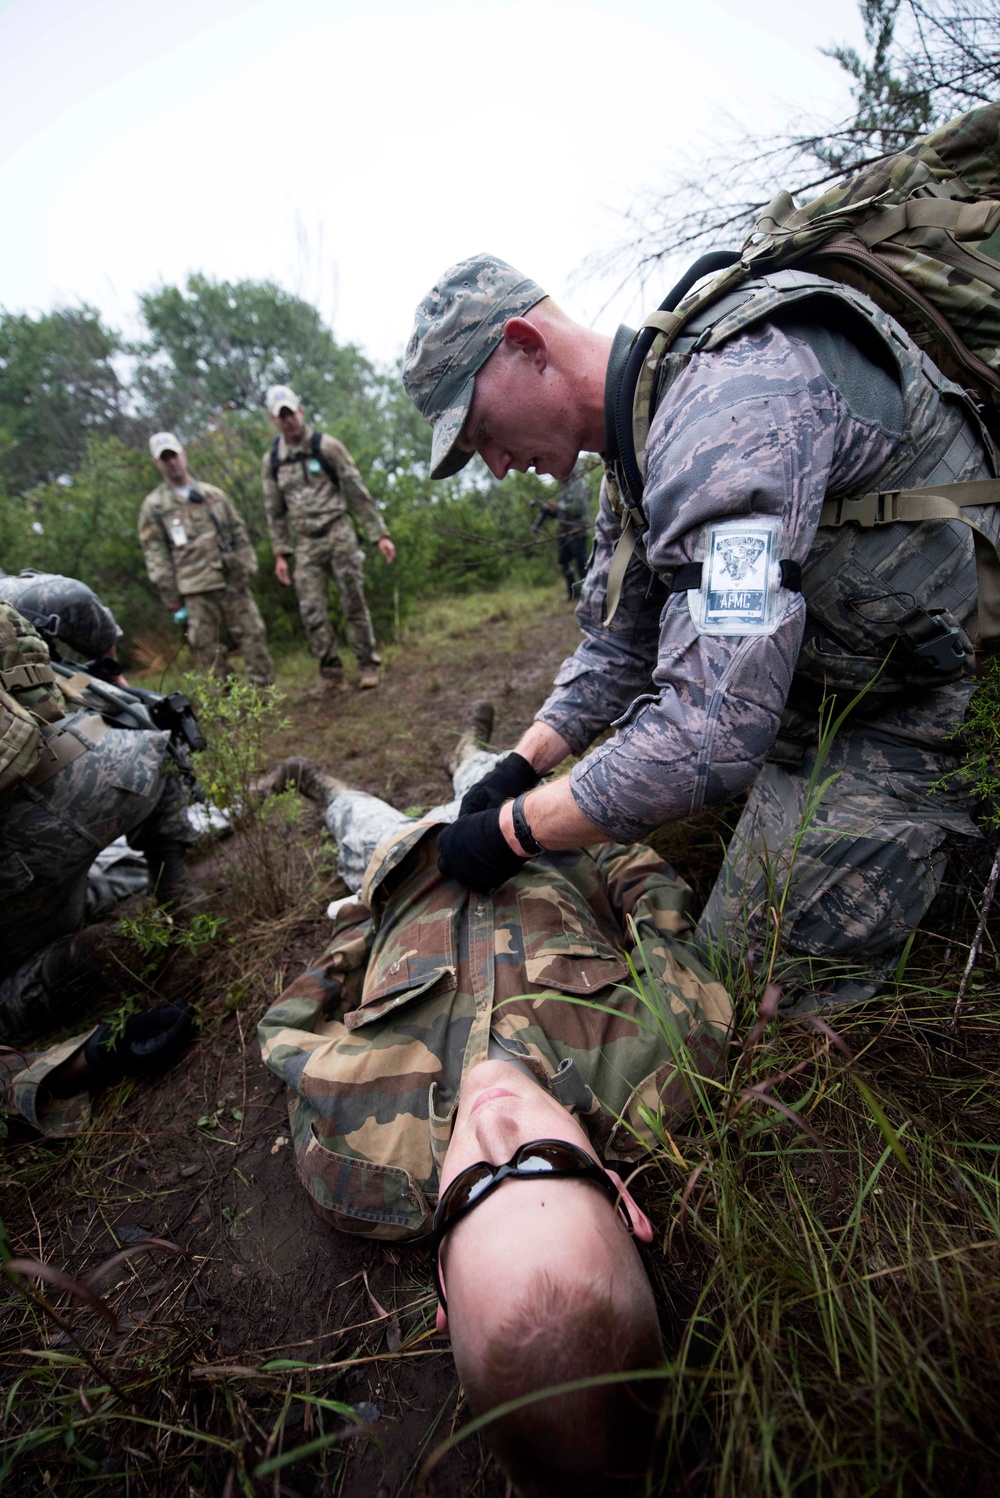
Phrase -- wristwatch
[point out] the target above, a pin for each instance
(522, 831)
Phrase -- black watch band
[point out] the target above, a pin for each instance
(522, 831)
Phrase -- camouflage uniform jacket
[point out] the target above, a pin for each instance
(422, 972)
(304, 502)
(768, 417)
(194, 545)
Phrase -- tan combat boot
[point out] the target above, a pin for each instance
(305, 775)
(368, 678)
(476, 734)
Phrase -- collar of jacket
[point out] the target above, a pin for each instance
(387, 857)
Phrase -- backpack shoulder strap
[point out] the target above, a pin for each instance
(665, 323)
(316, 445)
(275, 465)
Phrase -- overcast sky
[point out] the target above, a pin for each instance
(352, 152)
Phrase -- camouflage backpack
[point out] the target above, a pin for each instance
(918, 233)
(28, 696)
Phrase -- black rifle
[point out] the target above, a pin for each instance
(135, 707)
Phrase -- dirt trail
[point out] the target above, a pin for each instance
(200, 1158)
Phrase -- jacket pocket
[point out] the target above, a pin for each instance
(358, 1196)
(396, 988)
(563, 946)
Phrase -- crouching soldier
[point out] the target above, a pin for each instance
(70, 784)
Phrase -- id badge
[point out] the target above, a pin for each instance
(177, 532)
(314, 465)
(740, 591)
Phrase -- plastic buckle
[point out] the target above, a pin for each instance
(946, 650)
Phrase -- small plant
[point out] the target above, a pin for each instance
(236, 717)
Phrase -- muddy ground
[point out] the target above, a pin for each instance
(199, 1159)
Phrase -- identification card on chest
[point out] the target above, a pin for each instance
(740, 577)
(314, 465)
(178, 534)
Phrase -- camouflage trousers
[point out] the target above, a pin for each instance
(334, 555)
(228, 619)
(49, 836)
(358, 822)
(850, 877)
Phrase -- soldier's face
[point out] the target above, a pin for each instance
(523, 414)
(522, 1224)
(173, 466)
(290, 424)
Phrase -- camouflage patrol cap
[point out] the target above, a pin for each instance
(280, 398)
(164, 442)
(458, 325)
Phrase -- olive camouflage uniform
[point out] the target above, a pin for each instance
(198, 551)
(307, 516)
(775, 417)
(424, 979)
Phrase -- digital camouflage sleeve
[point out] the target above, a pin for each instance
(755, 426)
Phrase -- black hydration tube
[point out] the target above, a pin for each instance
(706, 265)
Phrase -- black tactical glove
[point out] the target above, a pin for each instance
(148, 1042)
(474, 851)
(505, 781)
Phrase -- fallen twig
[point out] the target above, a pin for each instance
(977, 940)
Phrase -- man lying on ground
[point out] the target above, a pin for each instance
(492, 1054)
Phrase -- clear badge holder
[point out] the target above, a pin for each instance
(740, 591)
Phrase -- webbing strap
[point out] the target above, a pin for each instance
(29, 674)
(63, 746)
(963, 220)
(663, 322)
(619, 566)
(944, 503)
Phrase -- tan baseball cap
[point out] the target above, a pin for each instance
(164, 442)
(280, 398)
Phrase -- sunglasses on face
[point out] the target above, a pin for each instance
(539, 1159)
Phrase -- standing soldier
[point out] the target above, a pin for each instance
(571, 513)
(199, 556)
(309, 481)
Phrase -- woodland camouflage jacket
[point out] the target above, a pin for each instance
(420, 974)
(194, 545)
(303, 502)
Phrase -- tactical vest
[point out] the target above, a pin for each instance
(891, 603)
